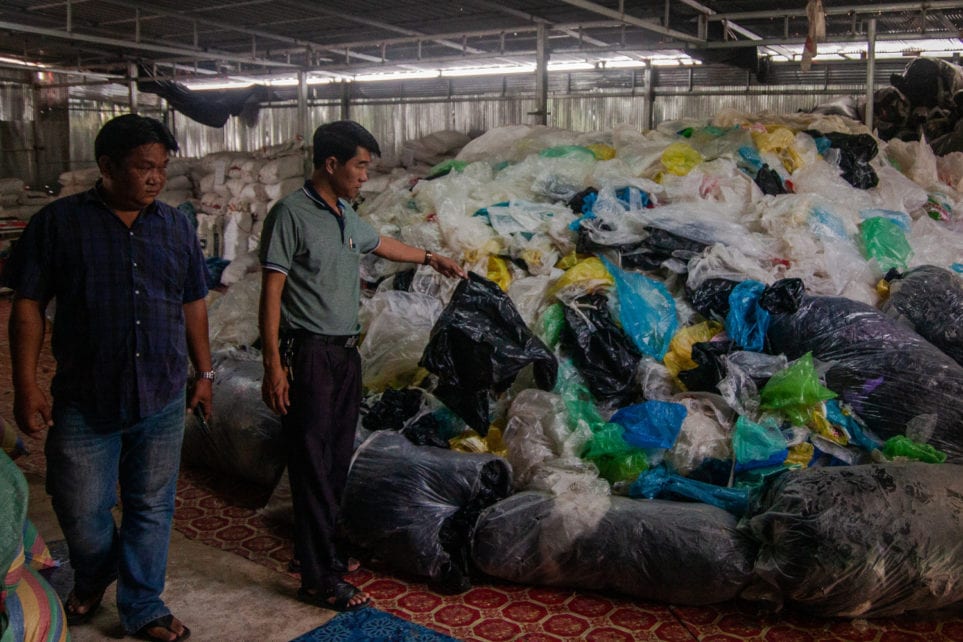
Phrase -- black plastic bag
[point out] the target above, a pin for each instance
(243, 439)
(675, 552)
(769, 181)
(711, 299)
(894, 379)
(604, 355)
(856, 150)
(861, 541)
(930, 300)
(648, 254)
(415, 507)
(478, 346)
(710, 369)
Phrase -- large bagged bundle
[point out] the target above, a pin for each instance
(894, 379)
(862, 541)
(244, 437)
(655, 550)
(414, 507)
(930, 300)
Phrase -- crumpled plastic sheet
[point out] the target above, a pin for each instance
(861, 541)
(414, 507)
(680, 553)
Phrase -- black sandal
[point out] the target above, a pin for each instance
(342, 594)
(74, 617)
(163, 622)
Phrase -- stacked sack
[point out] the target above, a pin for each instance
(78, 180)
(236, 192)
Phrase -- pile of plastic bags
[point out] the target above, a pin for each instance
(663, 331)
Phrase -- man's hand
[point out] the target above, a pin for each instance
(202, 395)
(446, 266)
(275, 388)
(31, 410)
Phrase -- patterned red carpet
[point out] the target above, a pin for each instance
(223, 513)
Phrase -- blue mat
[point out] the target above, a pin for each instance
(368, 624)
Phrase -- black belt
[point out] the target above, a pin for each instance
(303, 336)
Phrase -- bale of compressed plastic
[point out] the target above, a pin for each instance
(243, 439)
(930, 300)
(861, 541)
(675, 552)
(895, 380)
(414, 507)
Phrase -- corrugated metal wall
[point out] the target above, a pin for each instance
(402, 111)
(17, 157)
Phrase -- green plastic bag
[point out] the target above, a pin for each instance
(883, 240)
(757, 445)
(795, 390)
(550, 325)
(901, 446)
(568, 151)
(616, 460)
(447, 166)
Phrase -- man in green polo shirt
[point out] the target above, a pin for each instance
(311, 248)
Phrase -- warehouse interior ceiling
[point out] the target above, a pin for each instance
(274, 40)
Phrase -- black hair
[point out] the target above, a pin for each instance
(120, 135)
(341, 139)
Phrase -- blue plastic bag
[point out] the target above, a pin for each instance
(651, 424)
(646, 311)
(747, 321)
(658, 482)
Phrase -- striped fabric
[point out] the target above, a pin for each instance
(10, 441)
(34, 612)
(35, 549)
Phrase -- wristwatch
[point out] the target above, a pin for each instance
(428, 256)
(206, 374)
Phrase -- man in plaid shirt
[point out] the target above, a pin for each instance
(129, 279)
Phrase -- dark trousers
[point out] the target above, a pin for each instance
(319, 431)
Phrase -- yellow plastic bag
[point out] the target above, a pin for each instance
(602, 151)
(586, 276)
(800, 455)
(471, 442)
(679, 356)
(499, 273)
(781, 142)
(680, 158)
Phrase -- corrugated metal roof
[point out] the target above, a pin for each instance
(255, 37)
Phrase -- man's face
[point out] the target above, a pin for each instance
(347, 178)
(136, 182)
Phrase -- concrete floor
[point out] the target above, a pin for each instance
(218, 595)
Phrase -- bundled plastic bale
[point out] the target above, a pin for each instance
(930, 300)
(861, 541)
(243, 438)
(672, 552)
(415, 507)
(896, 381)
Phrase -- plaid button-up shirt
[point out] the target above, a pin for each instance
(118, 334)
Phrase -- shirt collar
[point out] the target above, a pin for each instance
(312, 193)
(96, 195)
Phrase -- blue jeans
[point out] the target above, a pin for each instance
(86, 459)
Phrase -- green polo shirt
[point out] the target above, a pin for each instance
(320, 251)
